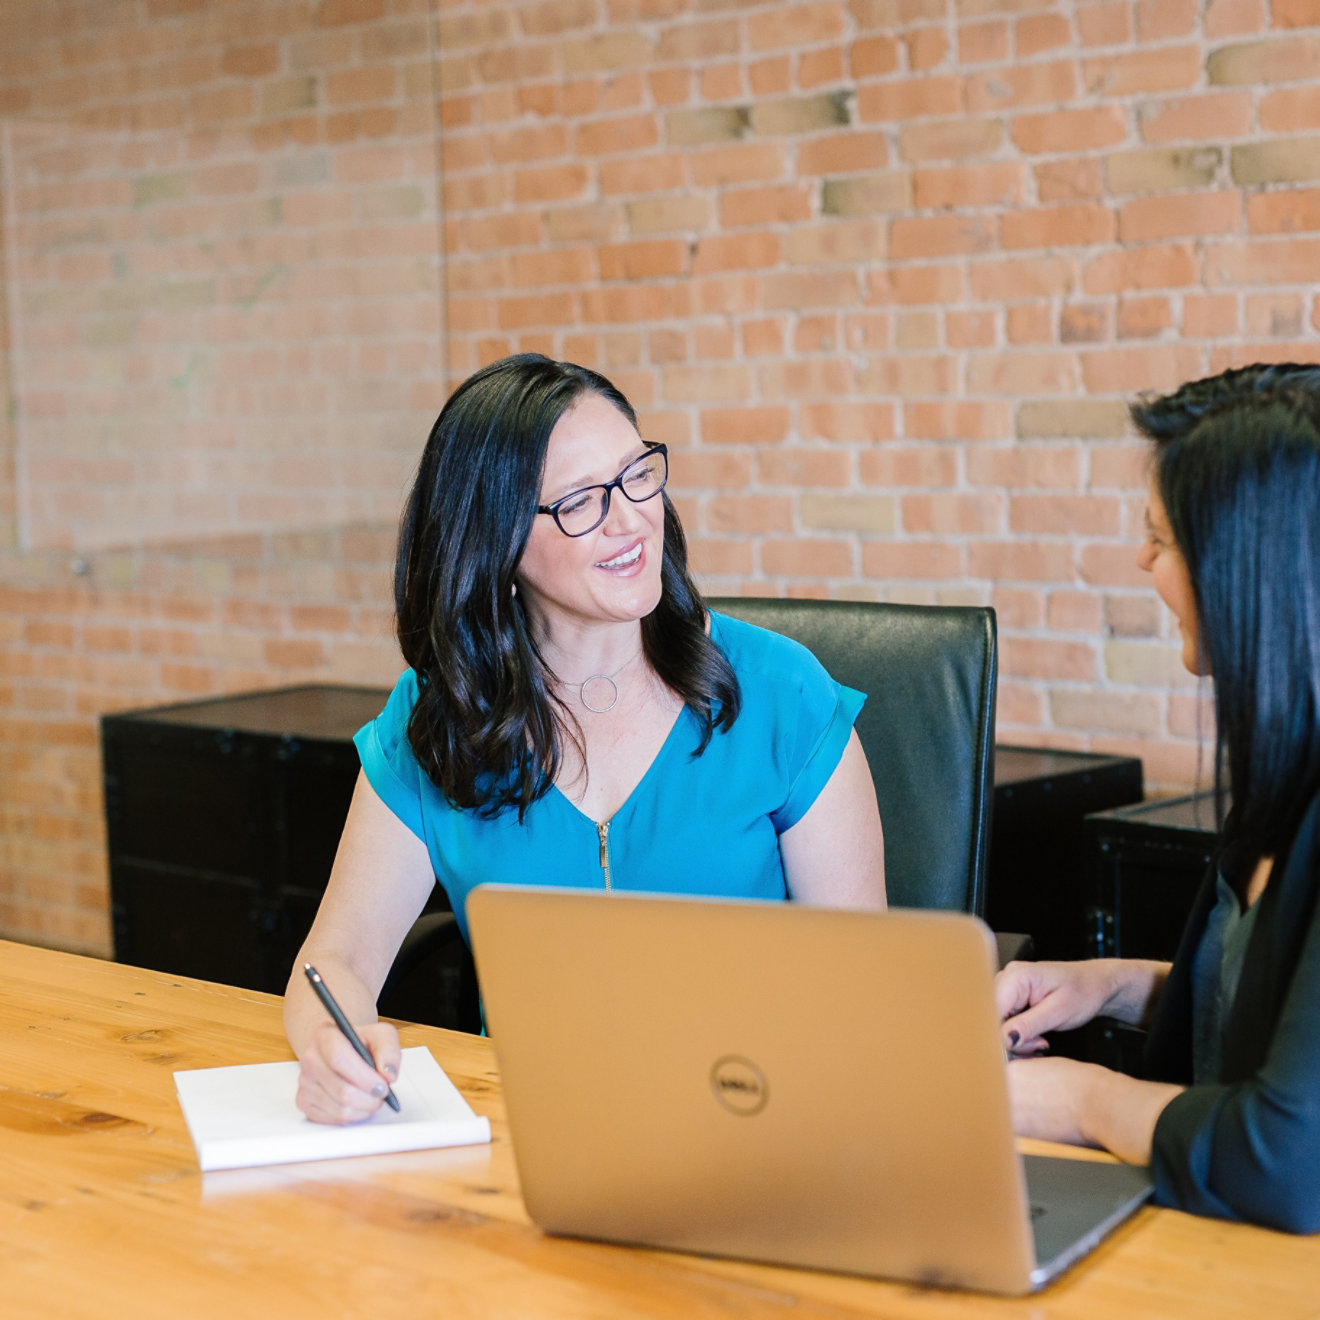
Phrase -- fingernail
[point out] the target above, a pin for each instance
(379, 1090)
(390, 1071)
(1013, 1038)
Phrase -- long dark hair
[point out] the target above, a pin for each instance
(487, 725)
(1237, 463)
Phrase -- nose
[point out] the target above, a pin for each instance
(623, 517)
(1146, 556)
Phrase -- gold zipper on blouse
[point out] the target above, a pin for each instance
(603, 831)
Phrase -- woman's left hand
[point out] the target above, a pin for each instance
(1083, 1104)
(1048, 1098)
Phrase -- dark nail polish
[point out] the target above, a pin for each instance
(1013, 1038)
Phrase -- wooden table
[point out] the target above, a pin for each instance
(103, 1212)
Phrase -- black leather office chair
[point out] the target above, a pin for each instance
(929, 673)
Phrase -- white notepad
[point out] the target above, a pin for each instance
(245, 1115)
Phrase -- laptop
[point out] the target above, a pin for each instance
(801, 1086)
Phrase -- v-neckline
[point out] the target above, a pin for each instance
(636, 788)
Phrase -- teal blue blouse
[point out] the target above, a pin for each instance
(707, 824)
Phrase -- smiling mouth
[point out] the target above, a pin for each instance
(624, 560)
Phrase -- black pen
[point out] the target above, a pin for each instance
(344, 1025)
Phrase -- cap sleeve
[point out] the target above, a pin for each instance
(387, 756)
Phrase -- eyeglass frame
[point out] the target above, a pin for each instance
(608, 487)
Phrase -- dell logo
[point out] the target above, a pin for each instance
(739, 1085)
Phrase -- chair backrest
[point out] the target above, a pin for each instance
(929, 674)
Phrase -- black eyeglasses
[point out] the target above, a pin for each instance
(584, 510)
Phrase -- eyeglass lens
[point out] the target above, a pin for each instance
(586, 509)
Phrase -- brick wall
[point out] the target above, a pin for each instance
(882, 273)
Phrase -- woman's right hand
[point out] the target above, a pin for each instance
(336, 1085)
(1036, 997)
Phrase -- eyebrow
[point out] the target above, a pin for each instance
(582, 483)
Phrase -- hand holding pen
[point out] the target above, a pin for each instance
(332, 1085)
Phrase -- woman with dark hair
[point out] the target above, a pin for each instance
(1228, 1113)
(572, 713)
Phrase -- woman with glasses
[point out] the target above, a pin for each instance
(572, 714)
(1227, 1113)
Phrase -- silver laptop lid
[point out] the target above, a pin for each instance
(762, 1080)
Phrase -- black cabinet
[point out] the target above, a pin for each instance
(222, 819)
(1146, 863)
(1037, 875)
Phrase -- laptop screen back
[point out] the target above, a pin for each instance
(767, 1081)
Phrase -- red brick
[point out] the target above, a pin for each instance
(817, 68)
(795, 26)
(763, 337)
(817, 334)
(1039, 33)
(1029, 323)
(909, 98)
(712, 556)
(1025, 277)
(918, 285)
(628, 133)
(887, 466)
(1156, 267)
(905, 375)
(1068, 180)
(1061, 130)
(997, 183)
(1289, 111)
(804, 468)
(1275, 316)
(953, 514)
(835, 241)
(950, 139)
(745, 426)
(1210, 316)
(1021, 373)
(1187, 216)
(873, 57)
(785, 203)
(1163, 20)
(807, 557)
(1143, 318)
(1206, 118)
(927, 48)
(805, 377)
(1237, 18)
(642, 260)
(1270, 261)
(970, 329)
(746, 162)
(957, 420)
(1084, 323)
(1083, 225)
(721, 252)
(940, 236)
(1124, 371)
(847, 421)
(750, 513)
(1011, 561)
(1051, 82)
(843, 153)
(1105, 24)
(801, 290)
(1158, 69)
(1284, 212)
(1065, 515)
(889, 560)
(1022, 657)
(983, 43)
(1025, 467)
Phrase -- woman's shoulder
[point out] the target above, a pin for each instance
(759, 653)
